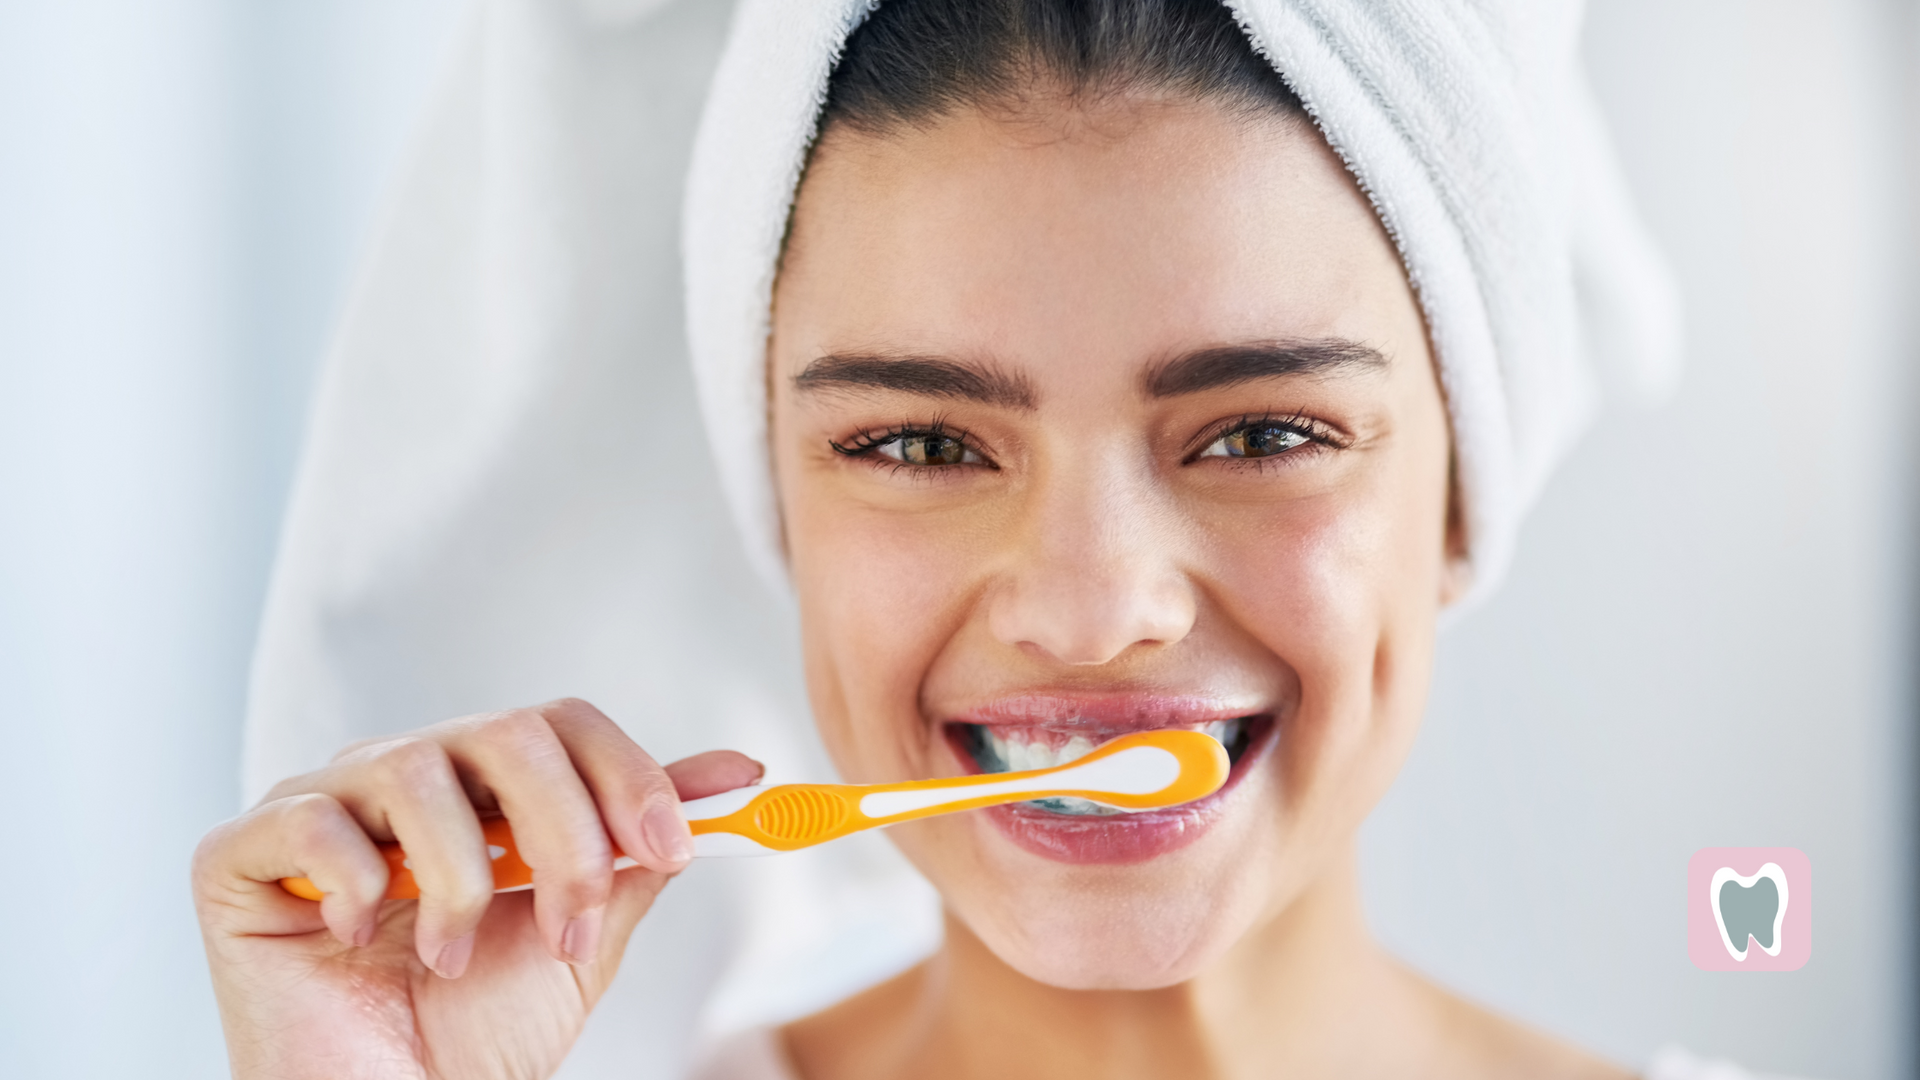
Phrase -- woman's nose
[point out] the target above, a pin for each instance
(1094, 578)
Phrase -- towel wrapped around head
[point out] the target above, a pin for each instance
(1465, 121)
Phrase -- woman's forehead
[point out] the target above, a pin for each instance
(1153, 233)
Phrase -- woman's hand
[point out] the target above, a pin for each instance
(462, 983)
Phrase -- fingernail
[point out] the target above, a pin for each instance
(581, 939)
(667, 835)
(453, 957)
(363, 937)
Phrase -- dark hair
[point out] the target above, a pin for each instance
(914, 61)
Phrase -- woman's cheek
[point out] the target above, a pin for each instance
(880, 598)
(1304, 578)
(1307, 581)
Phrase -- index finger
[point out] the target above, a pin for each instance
(713, 772)
(637, 799)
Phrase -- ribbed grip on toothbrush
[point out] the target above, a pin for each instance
(801, 813)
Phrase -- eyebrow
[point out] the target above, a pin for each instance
(1228, 365)
(927, 376)
(1188, 373)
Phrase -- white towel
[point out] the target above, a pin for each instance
(1466, 121)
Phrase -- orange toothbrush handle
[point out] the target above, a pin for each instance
(509, 870)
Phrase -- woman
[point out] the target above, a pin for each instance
(1095, 397)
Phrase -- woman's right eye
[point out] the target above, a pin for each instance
(1258, 440)
(918, 448)
(928, 448)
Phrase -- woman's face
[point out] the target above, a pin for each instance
(1089, 422)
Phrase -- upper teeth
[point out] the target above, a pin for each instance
(1021, 755)
(1224, 732)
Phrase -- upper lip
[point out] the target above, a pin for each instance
(1116, 713)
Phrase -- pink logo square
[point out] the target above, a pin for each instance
(1749, 909)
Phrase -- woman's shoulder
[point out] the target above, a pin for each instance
(754, 1054)
(1489, 1044)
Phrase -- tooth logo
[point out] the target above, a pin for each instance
(1749, 909)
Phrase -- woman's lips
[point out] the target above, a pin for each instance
(1037, 732)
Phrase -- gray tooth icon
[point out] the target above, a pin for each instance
(1750, 906)
(1749, 910)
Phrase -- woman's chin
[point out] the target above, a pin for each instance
(1133, 926)
(1108, 941)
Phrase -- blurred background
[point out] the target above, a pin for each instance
(1708, 639)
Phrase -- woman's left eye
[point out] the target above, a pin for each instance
(928, 448)
(1256, 441)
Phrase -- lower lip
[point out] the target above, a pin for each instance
(1126, 838)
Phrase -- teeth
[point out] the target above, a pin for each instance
(1224, 732)
(1074, 806)
(1021, 755)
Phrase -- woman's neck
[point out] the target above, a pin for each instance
(1306, 994)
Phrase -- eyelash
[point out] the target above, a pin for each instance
(866, 442)
(1319, 436)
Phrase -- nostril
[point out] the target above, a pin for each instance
(1083, 652)
(1097, 643)
(1098, 654)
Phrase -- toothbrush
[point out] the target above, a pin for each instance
(1147, 770)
